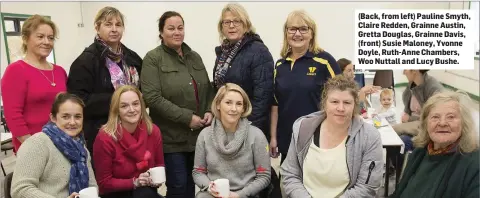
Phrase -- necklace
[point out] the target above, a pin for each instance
(53, 76)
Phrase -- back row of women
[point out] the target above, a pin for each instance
(177, 90)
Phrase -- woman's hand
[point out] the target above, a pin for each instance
(273, 148)
(196, 122)
(405, 118)
(207, 118)
(74, 195)
(143, 180)
(233, 195)
(212, 190)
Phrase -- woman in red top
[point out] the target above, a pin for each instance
(127, 147)
(29, 85)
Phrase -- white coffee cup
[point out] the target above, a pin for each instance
(90, 192)
(223, 187)
(157, 174)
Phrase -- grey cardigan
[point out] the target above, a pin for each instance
(422, 92)
(364, 157)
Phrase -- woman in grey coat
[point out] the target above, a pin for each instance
(333, 153)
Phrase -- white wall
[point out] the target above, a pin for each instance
(334, 19)
(466, 80)
(66, 15)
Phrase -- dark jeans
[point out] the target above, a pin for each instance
(140, 192)
(178, 169)
(407, 140)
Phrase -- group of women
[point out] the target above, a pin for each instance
(198, 130)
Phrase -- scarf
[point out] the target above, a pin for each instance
(220, 142)
(135, 146)
(449, 149)
(115, 63)
(75, 152)
(229, 51)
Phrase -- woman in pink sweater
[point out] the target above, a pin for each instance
(29, 86)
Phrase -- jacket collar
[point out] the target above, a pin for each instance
(312, 121)
(185, 49)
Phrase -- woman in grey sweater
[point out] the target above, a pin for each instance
(227, 148)
(333, 153)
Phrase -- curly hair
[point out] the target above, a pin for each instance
(341, 83)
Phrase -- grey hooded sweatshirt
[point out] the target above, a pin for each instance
(364, 157)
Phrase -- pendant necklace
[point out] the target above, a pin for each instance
(52, 83)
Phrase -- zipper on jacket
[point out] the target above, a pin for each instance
(370, 169)
(348, 168)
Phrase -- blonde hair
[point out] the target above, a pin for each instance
(31, 24)
(239, 11)
(341, 83)
(386, 92)
(106, 14)
(247, 106)
(468, 140)
(302, 15)
(111, 127)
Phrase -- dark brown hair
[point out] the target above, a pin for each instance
(343, 62)
(341, 83)
(164, 17)
(31, 24)
(63, 97)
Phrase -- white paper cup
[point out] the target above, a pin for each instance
(157, 174)
(90, 192)
(223, 187)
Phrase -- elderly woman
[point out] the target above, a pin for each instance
(232, 148)
(445, 163)
(179, 93)
(101, 68)
(126, 147)
(243, 59)
(29, 86)
(55, 162)
(333, 153)
(299, 78)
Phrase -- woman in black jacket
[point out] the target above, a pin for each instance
(243, 59)
(101, 68)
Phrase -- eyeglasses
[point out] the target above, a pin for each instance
(293, 30)
(236, 23)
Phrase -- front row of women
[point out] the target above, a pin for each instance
(333, 153)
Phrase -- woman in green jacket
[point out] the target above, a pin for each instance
(178, 92)
(445, 163)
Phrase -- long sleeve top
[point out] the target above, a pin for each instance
(28, 95)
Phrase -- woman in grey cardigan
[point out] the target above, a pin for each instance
(227, 148)
(333, 153)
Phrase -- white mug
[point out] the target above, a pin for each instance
(90, 192)
(223, 187)
(157, 174)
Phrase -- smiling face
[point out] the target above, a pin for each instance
(41, 40)
(111, 30)
(232, 27)
(386, 101)
(444, 124)
(69, 118)
(231, 107)
(130, 108)
(298, 33)
(339, 107)
(173, 32)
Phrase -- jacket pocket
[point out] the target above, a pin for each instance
(370, 169)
